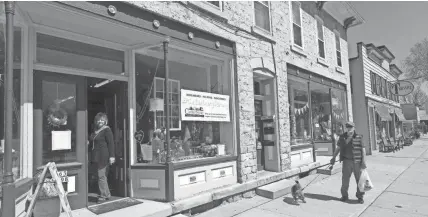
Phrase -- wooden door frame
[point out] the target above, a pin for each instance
(78, 168)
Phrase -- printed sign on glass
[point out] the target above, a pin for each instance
(202, 106)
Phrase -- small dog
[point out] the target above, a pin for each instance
(297, 192)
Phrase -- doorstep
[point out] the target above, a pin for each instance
(146, 209)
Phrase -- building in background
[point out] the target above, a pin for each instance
(238, 61)
(377, 112)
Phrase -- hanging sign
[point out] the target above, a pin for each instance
(402, 88)
(61, 140)
(202, 106)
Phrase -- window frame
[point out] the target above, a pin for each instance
(269, 16)
(163, 91)
(373, 82)
(337, 40)
(220, 7)
(320, 22)
(292, 23)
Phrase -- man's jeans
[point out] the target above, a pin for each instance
(102, 183)
(349, 167)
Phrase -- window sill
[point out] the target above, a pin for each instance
(298, 50)
(263, 33)
(322, 62)
(203, 162)
(204, 6)
(339, 69)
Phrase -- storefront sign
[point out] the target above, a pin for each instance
(202, 106)
(402, 88)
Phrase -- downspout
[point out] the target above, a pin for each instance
(278, 137)
(8, 199)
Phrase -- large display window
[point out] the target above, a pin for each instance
(201, 120)
(299, 114)
(321, 112)
(16, 118)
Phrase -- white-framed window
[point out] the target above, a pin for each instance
(321, 47)
(262, 15)
(338, 51)
(297, 23)
(216, 4)
(174, 103)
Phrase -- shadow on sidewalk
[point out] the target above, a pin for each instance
(327, 198)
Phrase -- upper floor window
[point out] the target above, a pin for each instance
(338, 51)
(262, 15)
(297, 23)
(373, 82)
(216, 4)
(378, 84)
(321, 49)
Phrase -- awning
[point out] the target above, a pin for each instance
(400, 114)
(383, 112)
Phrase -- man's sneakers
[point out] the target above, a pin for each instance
(344, 199)
(360, 200)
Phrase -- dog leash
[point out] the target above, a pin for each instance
(330, 168)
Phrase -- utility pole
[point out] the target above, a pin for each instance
(8, 187)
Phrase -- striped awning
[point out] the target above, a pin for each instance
(400, 114)
(383, 113)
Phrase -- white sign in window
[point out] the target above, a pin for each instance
(202, 106)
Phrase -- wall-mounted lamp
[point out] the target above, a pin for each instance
(112, 10)
(156, 23)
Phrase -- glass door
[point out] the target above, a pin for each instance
(60, 131)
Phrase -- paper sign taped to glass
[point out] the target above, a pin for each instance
(202, 106)
(61, 140)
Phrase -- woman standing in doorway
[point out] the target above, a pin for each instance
(102, 153)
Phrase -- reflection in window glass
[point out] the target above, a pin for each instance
(340, 116)
(321, 114)
(59, 114)
(16, 100)
(67, 53)
(190, 140)
(299, 114)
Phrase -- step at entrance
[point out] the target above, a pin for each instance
(276, 189)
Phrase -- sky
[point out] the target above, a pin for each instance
(397, 25)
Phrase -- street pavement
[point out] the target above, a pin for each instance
(400, 189)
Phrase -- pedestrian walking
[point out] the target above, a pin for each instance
(352, 154)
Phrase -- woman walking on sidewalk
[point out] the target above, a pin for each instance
(352, 154)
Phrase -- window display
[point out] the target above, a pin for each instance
(321, 112)
(340, 115)
(200, 120)
(16, 118)
(299, 114)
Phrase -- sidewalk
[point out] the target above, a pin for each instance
(392, 174)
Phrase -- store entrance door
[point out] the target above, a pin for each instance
(109, 97)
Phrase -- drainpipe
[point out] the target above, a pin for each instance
(8, 199)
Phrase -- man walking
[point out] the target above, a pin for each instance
(352, 154)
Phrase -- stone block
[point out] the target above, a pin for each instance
(191, 202)
(228, 191)
(276, 189)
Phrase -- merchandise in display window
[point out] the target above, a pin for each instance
(200, 107)
(321, 112)
(16, 118)
(340, 115)
(299, 112)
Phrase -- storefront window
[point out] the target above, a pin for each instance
(57, 51)
(299, 112)
(200, 106)
(16, 117)
(340, 115)
(321, 112)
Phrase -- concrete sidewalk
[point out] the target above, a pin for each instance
(394, 176)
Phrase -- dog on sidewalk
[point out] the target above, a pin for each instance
(297, 192)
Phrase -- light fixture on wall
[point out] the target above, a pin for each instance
(97, 85)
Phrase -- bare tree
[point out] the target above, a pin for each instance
(416, 64)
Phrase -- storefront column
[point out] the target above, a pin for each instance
(166, 85)
(332, 120)
(8, 199)
(314, 153)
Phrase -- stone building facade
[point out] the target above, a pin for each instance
(256, 48)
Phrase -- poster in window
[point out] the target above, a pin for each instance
(61, 140)
(202, 106)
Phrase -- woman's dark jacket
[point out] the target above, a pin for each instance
(102, 147)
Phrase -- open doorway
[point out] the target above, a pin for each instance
(109, 97)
